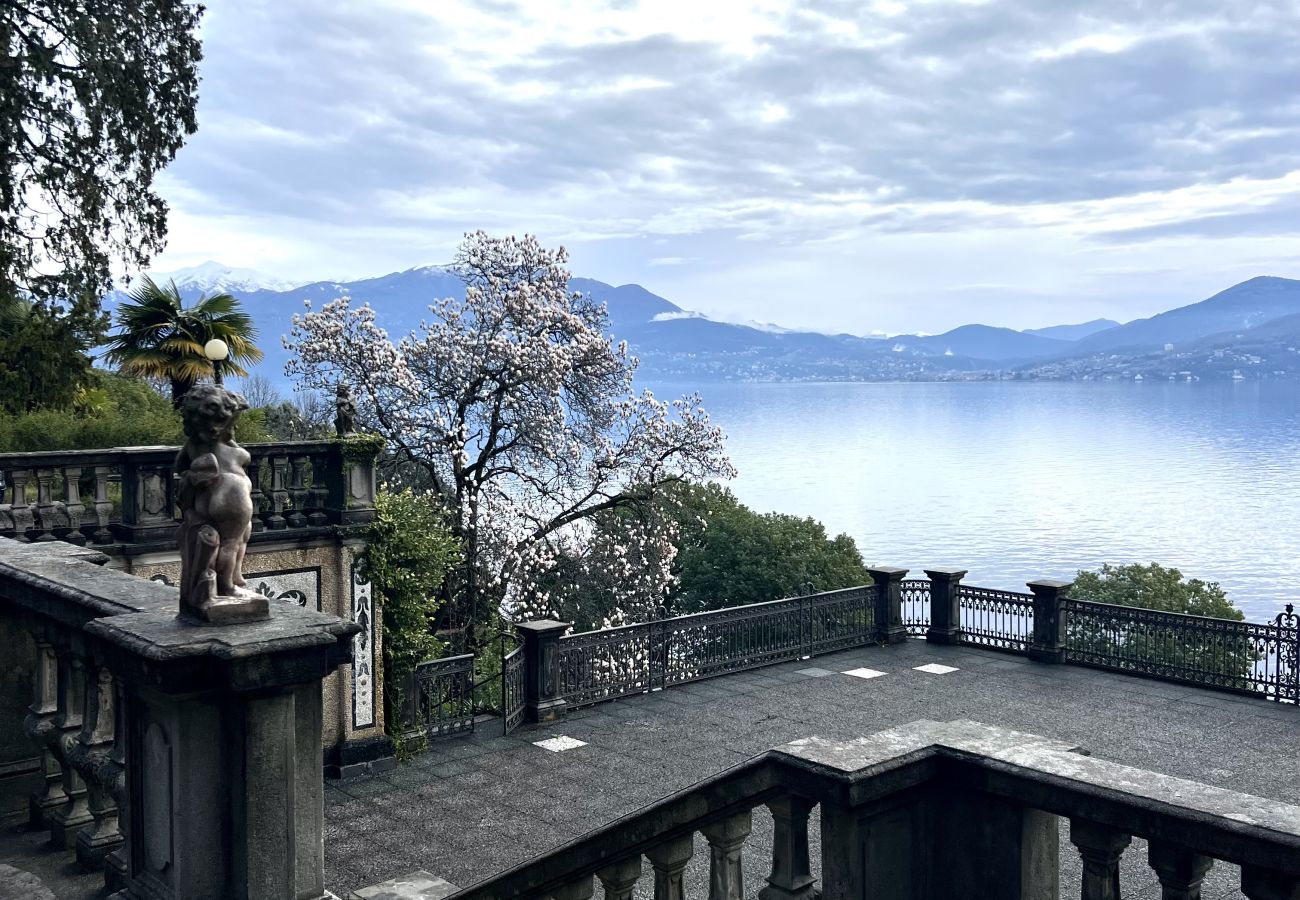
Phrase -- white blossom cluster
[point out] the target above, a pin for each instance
(521, 410)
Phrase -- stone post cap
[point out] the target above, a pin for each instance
(941, 573)
(542, 627)
(156, 647)
(886, 573)
(1049, 586)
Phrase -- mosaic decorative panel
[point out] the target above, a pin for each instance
(299, 586)
(363, 648)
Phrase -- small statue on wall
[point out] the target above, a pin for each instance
(216, 510)
(345, 417)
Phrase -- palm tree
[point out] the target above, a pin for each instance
(160, 337)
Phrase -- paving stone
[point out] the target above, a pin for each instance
(863, 672)
(935, 668)
(416, 886)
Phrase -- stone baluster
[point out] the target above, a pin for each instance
(619, 880)
(279, 493)
(1265, 884)
(72, 504)
(582, 889)
(1180, 871)
(40, 728)
(116, 863)
(319, 491)
(1101, 848)
(669, 861)
(791, 878)
(20, 510)
(298, 493)
(92, 755)
(726, 840)
(103, 505)
(69, 818)
(46, 511)
(259, 498)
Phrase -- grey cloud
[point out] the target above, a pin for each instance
(958, 108)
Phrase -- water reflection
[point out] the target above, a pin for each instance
(1017, 481)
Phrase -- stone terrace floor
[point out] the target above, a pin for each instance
(473, 807)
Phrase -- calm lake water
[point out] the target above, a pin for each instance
(1021, 481)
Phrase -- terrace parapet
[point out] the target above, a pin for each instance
(125, 500)
(182, 759)
(930, 810)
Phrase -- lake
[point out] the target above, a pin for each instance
(1016, 481)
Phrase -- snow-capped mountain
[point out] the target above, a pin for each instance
(211, 276)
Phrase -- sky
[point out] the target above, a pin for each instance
(839, 165)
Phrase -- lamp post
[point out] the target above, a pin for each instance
(216, 350)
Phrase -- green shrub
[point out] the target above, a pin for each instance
(411, 550)
(118, 411)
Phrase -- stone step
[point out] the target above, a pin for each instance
(419, 885)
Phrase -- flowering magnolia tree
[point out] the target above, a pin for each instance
(519, 411)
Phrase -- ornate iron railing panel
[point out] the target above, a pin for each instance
(602, 665)
(916, 605)
(442, 701)
(512, 687)
(839, 620)
(730, 640)
(1003, 620)
(1247, 657)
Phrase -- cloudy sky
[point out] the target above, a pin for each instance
(844, 165)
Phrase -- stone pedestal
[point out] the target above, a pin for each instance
(1049, 627)
(889, 604)
(945, 606)
(223, 774)
(542, 669)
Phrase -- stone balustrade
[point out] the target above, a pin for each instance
(126, 496)
(928, 810)
(182, 760)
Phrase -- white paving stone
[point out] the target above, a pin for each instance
(936, 668)
(560, 743)
(864, 673)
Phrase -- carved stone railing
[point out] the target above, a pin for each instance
(927, 811)
(127, 495)
(182, 760)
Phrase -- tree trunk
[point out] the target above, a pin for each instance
(180, 387)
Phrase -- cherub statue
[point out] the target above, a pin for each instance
(216, 510)
(345, 417)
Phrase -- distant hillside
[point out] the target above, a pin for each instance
(1241, 306)
(675, 344)
(984, 342)
(1073, 332)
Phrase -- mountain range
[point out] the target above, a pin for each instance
(677, 344)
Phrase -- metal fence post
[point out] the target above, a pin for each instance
(945, 605)
(889, 604)
(1049, 626)
(542, 702)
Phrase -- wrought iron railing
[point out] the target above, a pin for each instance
(1002, 620)
(440, 698)
(512, 687)
(916, 605)
(1247, 657)
(615, 662)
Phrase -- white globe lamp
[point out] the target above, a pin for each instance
(216, 350)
